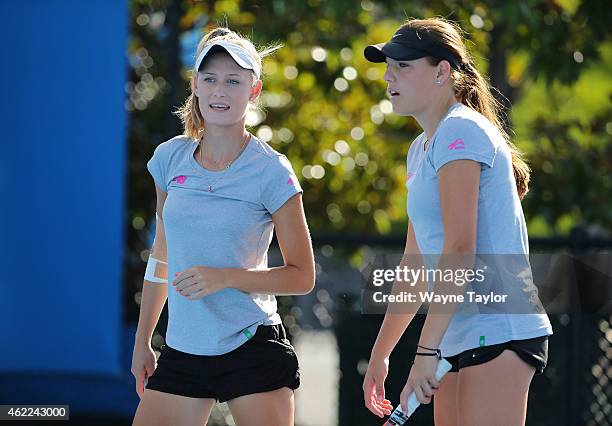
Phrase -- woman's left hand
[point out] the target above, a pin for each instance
(421, 380)
(199, 281)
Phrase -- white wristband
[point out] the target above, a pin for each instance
(150, 271)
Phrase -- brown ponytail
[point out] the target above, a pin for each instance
(472, 89)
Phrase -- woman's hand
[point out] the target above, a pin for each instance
(143, 365)
(374, 387)
(421, 380)
(199, 281)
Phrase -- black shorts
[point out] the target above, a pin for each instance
(264, 363)
(533, 351)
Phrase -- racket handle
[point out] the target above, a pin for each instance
(398, 417)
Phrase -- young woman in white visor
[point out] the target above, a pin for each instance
(221, 192)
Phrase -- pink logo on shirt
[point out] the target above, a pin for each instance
(290, 181)
(180, 179)
(457, 144)
(409, 176)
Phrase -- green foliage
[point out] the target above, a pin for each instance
(325, 106)
(565, 131)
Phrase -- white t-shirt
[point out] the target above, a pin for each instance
(501, 231)
(230, 227)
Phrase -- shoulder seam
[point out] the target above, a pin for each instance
(472, 124)
(261, 148)
(172, 141)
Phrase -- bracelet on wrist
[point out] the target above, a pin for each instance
(426, 348)
(434, 352)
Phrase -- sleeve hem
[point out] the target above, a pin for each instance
(465, 156)
(157, 173)
(281, 200)
(157, 181)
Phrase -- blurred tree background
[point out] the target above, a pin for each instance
(325, 106)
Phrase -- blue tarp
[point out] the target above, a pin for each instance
(63, 168)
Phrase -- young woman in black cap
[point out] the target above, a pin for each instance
(465, 180)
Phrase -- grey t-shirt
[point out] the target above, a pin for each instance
(230, 227)
(501, 230)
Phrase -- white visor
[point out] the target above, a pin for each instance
(238, 54)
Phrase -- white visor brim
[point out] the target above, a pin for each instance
(238, 54)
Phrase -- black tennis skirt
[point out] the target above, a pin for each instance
(533, 351)
(264, 363)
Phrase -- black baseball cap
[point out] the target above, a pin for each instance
(408, 44)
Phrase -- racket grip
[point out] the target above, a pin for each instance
(398, 417)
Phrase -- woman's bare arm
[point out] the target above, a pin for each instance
(154, 295)
(398, 318)
(459, 182)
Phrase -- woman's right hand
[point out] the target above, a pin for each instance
(374, 386)
(143, 365)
